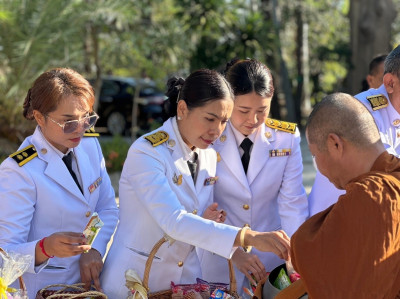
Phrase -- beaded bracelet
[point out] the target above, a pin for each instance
(41, 245)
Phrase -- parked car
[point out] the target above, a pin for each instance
(116, 102)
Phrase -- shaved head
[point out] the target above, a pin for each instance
(345, 116)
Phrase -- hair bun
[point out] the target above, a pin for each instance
(174, 84)
(230, 64)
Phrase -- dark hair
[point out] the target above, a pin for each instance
(200, 87)
(249, 75)
(392, 62)
(375, 62)
(52, 87)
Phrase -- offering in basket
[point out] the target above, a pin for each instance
(12, 266)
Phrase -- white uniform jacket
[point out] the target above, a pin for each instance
(41, 198)
(270, 197)
(158, 197)
(387, 119)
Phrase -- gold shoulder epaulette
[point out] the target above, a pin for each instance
(378, 101)
(157, 138)
(25, 155)
(281, 125)
(91, 133)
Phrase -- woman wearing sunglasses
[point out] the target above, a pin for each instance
(53, 184)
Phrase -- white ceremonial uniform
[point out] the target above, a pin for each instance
(387, 119)
(158, 197)
(41, 198)
(270, 197)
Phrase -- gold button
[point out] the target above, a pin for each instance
(246, 207)
(194, 212)
(268, 134)
(396, 122)
(87, 214)
(222, 138)
(180, 264)
(246, 225)
(171, 143)
(43, 151)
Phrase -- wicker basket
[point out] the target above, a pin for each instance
(20, 279)
(166, 294)
(68, 292)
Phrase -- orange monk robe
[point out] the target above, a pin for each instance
(351, 250)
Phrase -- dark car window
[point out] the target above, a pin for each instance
(109, 88)
(148, 91)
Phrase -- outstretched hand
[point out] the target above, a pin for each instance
(248, 264)
(212, 213)
(277, 242)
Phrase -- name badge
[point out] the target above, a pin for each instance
(210, 181)
(96, 184)
(280, 152)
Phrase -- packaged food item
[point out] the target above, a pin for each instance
(220, 294)
(190, 291)
(282, 281)
(214, 285)
(12, 266)
(92, 228)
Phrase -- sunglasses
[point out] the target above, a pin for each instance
(71, 125)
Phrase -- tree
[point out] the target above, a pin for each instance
(371, 28)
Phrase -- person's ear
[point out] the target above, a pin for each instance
(335, 145)
(39, 117)
(369, 79)
(388, 81)
(182, 109)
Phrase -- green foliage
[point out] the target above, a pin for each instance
(115, 152)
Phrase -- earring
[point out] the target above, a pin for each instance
(179, 118)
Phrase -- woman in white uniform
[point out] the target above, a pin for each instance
(160, 195)
(44, 209)
(259, 186)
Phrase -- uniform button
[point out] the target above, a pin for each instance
(180, 264)
(268, 134)
(171, 143)
(246, 225)
(246, 207)
(222, 138)
(396, 122)
(194, 212)
(87, 214)
(43, 151)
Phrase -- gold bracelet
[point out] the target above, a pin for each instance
(242, 233)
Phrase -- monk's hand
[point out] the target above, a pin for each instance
(277, 242)
(212, 213)
(90, 265)
(248, 264)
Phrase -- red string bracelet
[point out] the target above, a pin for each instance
(41, 245)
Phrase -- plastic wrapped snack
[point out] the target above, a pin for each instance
(92, 228)
(12, 266)
(190, 291)
(282, 281)
(214, 285)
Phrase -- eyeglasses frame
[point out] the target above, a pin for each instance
(79, 121)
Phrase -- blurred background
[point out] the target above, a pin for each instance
(127, 49)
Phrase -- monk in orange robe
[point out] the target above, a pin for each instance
(352, 249)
